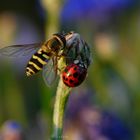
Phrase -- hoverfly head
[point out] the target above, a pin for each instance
(61, 38)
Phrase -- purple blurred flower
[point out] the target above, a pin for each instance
(95, 9)
(114, 128)
(12, 125)
(11, 130)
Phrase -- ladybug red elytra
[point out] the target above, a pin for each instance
(74, 74)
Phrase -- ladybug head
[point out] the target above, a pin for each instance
(80, 63)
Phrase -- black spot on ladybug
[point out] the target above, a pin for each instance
(75, 68)
(75, 74)
(71, 81)
(64, 77)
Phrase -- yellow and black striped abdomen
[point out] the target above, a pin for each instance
(37, 61)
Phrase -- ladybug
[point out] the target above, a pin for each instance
(74, 74)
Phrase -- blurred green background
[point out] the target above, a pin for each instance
(106, 105)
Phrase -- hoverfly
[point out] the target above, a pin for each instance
(45, 55)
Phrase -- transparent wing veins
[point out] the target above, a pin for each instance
(19, 50)
(49, 74)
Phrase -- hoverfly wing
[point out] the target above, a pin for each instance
(20, 50)
(49, 74)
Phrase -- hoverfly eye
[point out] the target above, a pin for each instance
(62, 40)
(54, 43)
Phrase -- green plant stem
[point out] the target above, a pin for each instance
(61, 98)
(53, 10)
(62, 95)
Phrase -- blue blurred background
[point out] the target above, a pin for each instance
(106, 105)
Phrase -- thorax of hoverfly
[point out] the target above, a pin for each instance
(51, 49)
(45, 56)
